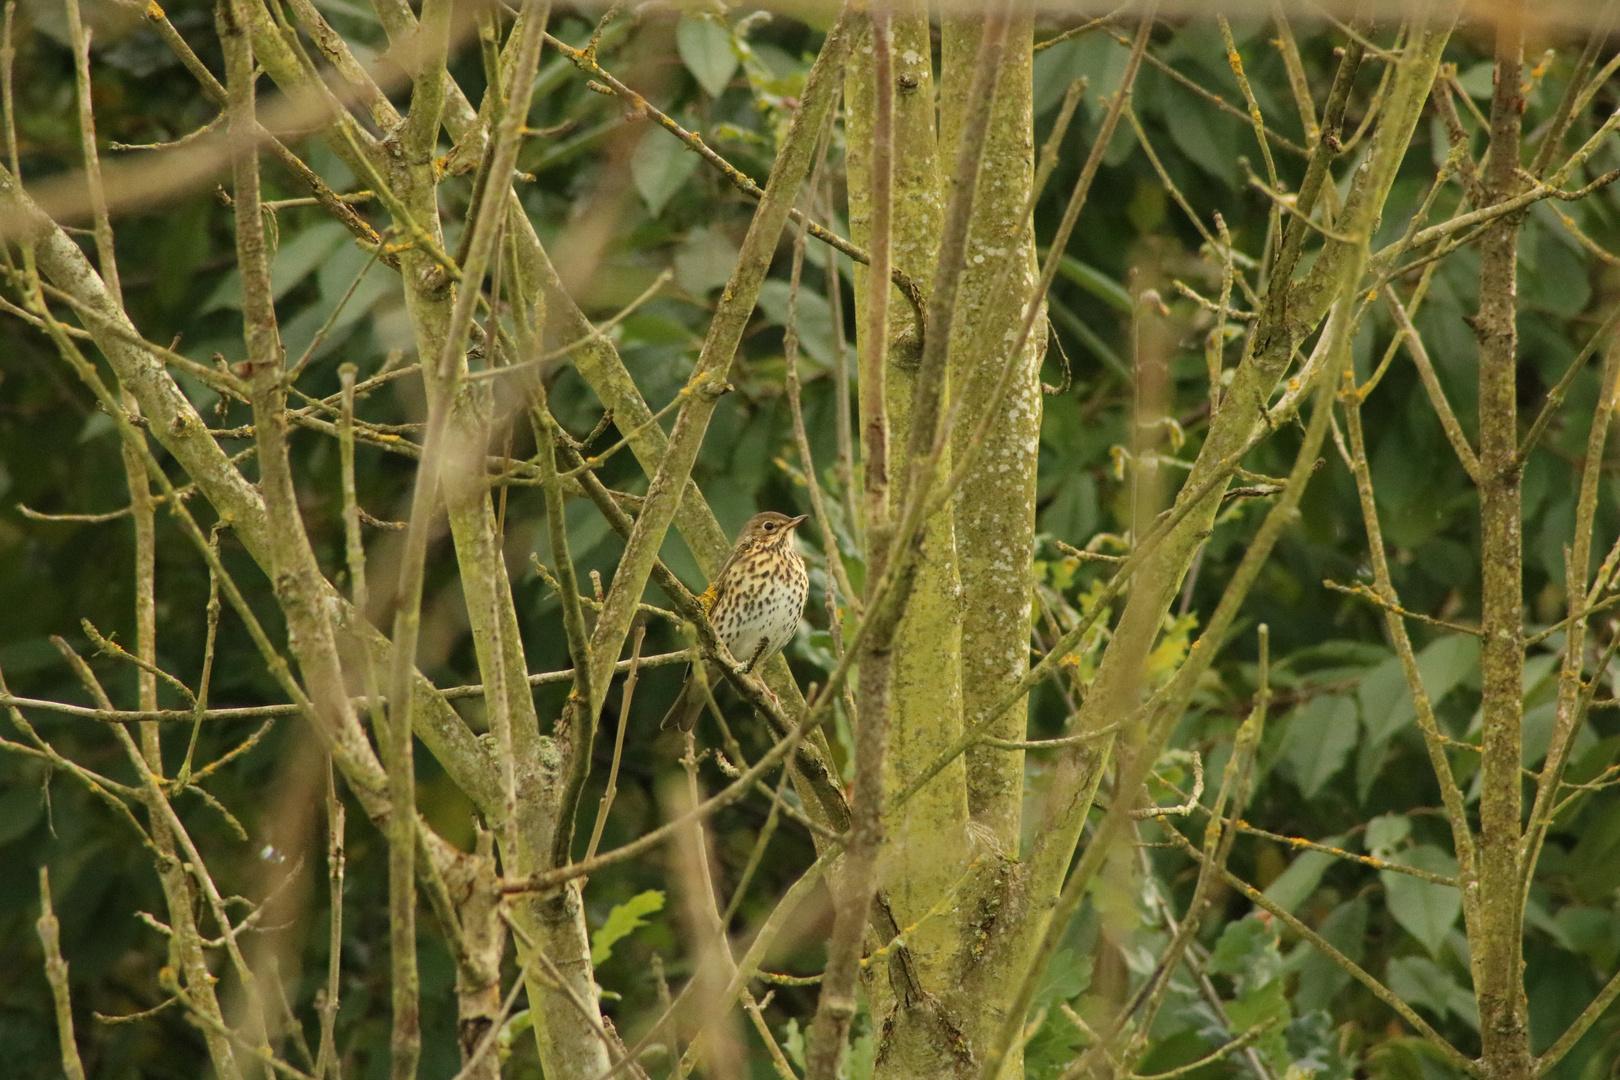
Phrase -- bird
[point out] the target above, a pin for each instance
(757, 600)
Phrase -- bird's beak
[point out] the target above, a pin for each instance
(796, 522)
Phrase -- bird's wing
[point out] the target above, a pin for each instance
(717, 585)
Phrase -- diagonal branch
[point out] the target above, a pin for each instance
(585, 60)
(1431, 383)
(707, 382)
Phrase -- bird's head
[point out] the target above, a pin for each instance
(770, 529)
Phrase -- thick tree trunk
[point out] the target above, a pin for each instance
(925, 846)
(995, 506)
(1497, 955)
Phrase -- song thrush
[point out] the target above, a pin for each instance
(758, 599)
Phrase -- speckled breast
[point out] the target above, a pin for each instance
(758, 615)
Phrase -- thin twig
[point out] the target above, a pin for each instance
(1431, 383)
(611, 790)
(640, 106)
(1362, 592)
(326, 1005)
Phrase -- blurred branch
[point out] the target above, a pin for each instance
(255, 712)
(56, 973)
(611, 790)
(855, 886)
(830, 551)
(1362, 592)
(1083, 29)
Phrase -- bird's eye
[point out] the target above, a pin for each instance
(769, 525)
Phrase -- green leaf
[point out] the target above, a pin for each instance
(520, 1023)
(1095, 282)
(659, 167)
(1247, 949)
(1386, 707)
(1237, 942)
(1479, 81)
(1420, 981)
(1263, 1006)
(1085, 57)
(1386, 704)
(621, 922)
(1294, 885)
(1320, 738)
(1425, 910)
(862, 1057)
(1385, 834)
(814, 318)
(1593, 932)
(1320, 978)
(1559, 281)
(1446, 662)
(336, 275)
(1202, 134)
(1052, 1048)
(704, 260)
(1369, 762)
(1067, 977)
(705, 47)
(1538, 730)
(793, 1042)
(294, 261)
(1314, 1045)
(95, 426)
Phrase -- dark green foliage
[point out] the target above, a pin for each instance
(1342, 747)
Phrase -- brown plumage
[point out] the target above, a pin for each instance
(758, 598)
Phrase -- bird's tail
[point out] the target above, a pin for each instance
(689, 704)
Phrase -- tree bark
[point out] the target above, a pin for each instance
(1497, 958)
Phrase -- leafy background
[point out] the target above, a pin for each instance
(1341, 761)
